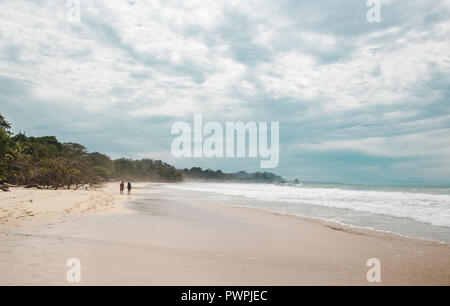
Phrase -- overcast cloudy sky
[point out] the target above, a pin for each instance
(356, 101)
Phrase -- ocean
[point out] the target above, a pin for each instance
(412, 211)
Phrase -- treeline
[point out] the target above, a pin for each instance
(45, 162)
(198, 174)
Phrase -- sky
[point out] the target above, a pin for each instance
(356, 101)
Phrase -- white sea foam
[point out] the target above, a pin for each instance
(427, 208)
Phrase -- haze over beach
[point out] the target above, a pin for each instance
(224, 143)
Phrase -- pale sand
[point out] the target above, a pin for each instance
(24, 207)
(164, 241)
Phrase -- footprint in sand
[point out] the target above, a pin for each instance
(29, 212)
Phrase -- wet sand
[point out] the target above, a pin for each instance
(158, 239)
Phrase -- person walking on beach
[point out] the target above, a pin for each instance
(122, 187)
(129, 188)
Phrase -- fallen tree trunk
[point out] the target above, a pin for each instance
(79, 186)
(33, 186)
(4, 187)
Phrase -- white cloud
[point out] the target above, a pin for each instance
(434, 143)
(343, 82)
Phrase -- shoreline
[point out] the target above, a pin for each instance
(345, 228)
(339, 226)
(118, 205)
(418, 214)
(155, 238)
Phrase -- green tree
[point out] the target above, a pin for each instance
(46, 162)
(5, 141)
(101, 164)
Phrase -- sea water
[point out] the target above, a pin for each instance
(415, 211)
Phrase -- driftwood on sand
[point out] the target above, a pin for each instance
(33, 186)
(6, 186)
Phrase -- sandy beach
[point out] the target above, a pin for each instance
(153, 238)
(25, 207)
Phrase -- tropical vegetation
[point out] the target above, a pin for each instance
(45, 162)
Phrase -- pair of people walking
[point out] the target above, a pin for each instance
(122, 187)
